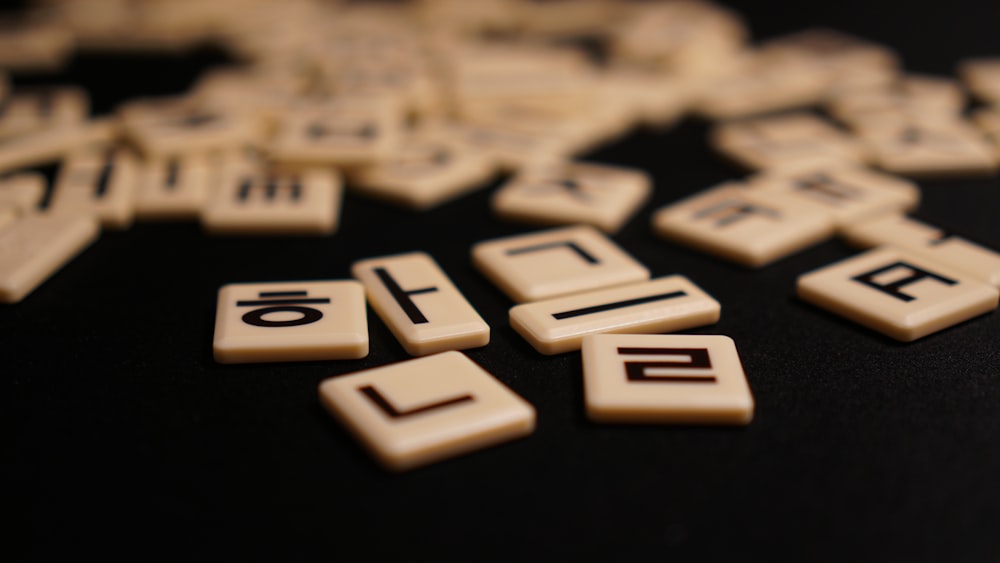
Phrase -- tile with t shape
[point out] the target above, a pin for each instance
(291, 321)
(36, 245)
(743, 225)
(34, 109)
(99, 180)
(22, 192)
(348, 132)
(944, 247)
(982, 78)
(848, 193)
(931, 150)
(664, 304)
(426, 410)
(897, 292)
(427, 169)
(555, 262)
(251, 199)
(665, 378)
(567, 193)
(182, 126)
(173, 187)
(420, 304)
(767, 142)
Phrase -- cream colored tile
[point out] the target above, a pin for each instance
(346, 132)
(420, 304)
(23, 192)
(34, 109)
(290, 321)
(36, 245)
(897, 293)
(848, 193)
(511, 148)
(919, 96)
(173, 187)
(931, 150)
(173, 126)
(768, 142)
(655, 98)
(988, 121)
(665, 378)
(982, 77)
(49, 145)
(941, 246)
(743, 225)
(34, 44)
(759, 86)
(425, 410)
(664, 304)
(254, 200)
(98, 180)
(428, 169)
(555, 262)
(851, 61)
(567, 193)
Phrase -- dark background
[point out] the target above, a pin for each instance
(129, 442)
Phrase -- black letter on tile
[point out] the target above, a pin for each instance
(402, 296)
(387, 407)
(697, 359)
(893, 288)
(587, 257)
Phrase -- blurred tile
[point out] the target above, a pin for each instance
(36, 245)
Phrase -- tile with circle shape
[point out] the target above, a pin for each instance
(568, 193)
(555, 262)
(767, 142)
(420, 304)
(425, 410)
(174, 187)
(931, 150)
(897, 292)
(665, 379)
(940, 245)
(32, 109)
(290, 321)
(253, 199)
(34, 246)
(558, 325)
(742, 225)
(99, 180)
(848, 193)
(344, 132)
(428, 169)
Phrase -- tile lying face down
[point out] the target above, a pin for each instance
(420, 304)
(898, 293)
(291, 321)
(35, 245)
(665, 378)
(555, 262)
(664, 304)
(427, 409)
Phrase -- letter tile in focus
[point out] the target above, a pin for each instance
(425, 410)
(420, 304)
(665, 378)
(555, 262)
(291, 321)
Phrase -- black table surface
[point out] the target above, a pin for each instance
(130, 442)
